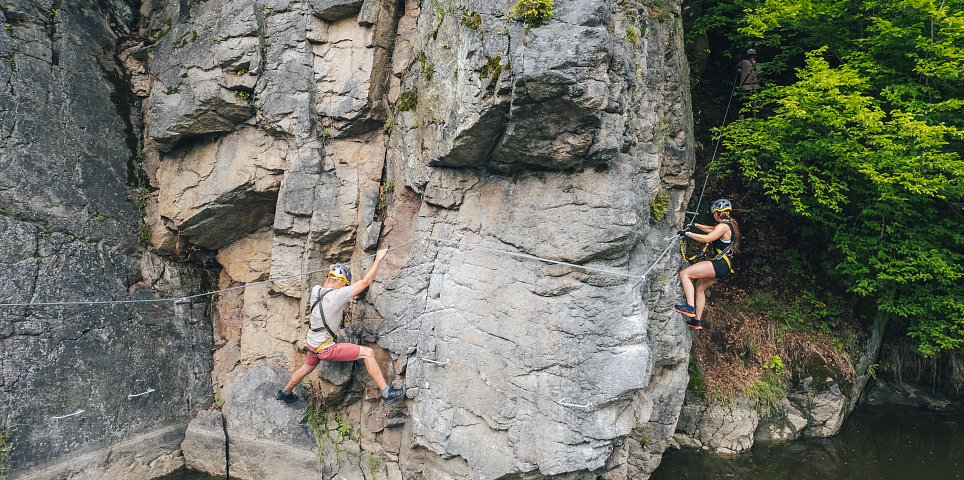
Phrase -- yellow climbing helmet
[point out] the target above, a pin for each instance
(721, 205)
(340, 271)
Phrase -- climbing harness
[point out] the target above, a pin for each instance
(721, 252)
(321, 311)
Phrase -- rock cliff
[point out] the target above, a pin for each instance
(278, 136)
(69, 223)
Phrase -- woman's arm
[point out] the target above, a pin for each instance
(705, 228)
(715, 234)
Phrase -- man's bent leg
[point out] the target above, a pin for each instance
(371, 364)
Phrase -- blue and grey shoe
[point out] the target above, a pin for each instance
(687, 310)
(694, 324)
(393, 394)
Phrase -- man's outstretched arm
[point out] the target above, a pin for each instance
(358, 287)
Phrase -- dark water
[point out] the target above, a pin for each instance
(875, 443)
(189, 475)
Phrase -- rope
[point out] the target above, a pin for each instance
(716, 149)
(187, 299)
(533, 257)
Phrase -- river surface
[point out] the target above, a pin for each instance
(875, 443)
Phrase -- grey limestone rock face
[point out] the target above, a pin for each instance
(785, 424)
(808, 411)
(69, 222)
(204, 444)
(380, 123)
(721, 428)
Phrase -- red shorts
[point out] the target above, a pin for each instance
(337, 352)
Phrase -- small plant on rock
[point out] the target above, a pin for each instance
(472, 20)
(533, 13)
(144, 234)
(657, 209)
(632, 35)
(372, 466)
(4, 450)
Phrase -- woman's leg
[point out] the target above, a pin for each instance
(693, 272)
(701, 286)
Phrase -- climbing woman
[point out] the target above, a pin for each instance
(724, 237)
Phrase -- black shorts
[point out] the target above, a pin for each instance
(720, 268)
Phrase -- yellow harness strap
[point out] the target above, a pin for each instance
(322, 346)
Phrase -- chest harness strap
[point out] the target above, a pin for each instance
(324, 322)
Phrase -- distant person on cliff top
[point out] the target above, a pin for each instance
(724, 237)
(749, 71)
(328, 303)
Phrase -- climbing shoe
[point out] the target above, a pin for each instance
(393, 394)
(687, 310)
(286, 397)
(694, 324)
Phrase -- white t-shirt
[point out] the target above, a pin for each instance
(334, 304)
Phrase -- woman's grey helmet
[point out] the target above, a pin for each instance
(751, 51)
(340, 271)
(721, 205)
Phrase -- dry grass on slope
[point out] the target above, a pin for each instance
(742, 351)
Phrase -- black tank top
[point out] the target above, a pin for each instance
(720, 245)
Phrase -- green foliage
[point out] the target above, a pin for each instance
(144, 234)
(472, 20)
(242, 95)
(696, 383)
(372, 466)
(632, 35)
(642, 437)
(344, 428)
(863, 141)
(316, 418)
(776, 366)
(533, 13)
(493, 67)
(325, 136)
(767, 393)
(657, 209)
(4, 451)
(407, 101)
(389, 121)
(425, 66)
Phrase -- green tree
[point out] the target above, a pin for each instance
(864, 140)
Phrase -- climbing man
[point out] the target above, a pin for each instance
(724, 237)
(748, 70)
(328, 303)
